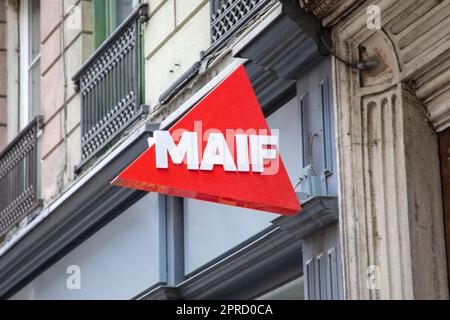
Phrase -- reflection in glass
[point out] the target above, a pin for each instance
(212, 229)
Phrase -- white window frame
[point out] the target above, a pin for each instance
(26, 64)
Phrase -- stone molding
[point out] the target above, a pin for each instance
(387, 118)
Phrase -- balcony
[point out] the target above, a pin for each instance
(228, 16)
(111, 85)
(18, 177)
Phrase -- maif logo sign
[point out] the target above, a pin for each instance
(221, 151)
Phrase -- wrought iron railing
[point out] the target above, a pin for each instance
(110, 84)
(18, 177)
(228, 16)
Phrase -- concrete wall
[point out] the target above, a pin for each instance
(173, 24)
(326, 280)
(3, 75)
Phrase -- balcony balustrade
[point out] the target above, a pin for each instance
(19, 194)
(111, 87)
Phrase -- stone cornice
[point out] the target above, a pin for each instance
(414, 42)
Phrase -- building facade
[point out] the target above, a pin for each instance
(358, 91)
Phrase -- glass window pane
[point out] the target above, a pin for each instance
(108, 268)
(35, 89)
(287, 120)
(123, 9)
(34, 29)
(108, 15)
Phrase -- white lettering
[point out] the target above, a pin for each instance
(217, 151)
(242, 153)
(259, 153)
(165, 145)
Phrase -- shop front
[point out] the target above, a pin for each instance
(106, 241)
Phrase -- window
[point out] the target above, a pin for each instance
(108, 15)
(108, 268)
(30, 60)
(322, 277)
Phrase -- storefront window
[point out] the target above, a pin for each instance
(30, 61)
(293, 290)
(118, 262)
(212, 229)
(287, 120)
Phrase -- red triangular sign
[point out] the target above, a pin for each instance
(232, 106)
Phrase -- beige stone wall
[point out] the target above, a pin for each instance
(66, 35)
(391, 213)
(3, 75)
(173, 24)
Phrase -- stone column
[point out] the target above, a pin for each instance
(391, 214)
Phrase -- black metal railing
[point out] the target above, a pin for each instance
(18, 177)
(228, 16)
(110, 84)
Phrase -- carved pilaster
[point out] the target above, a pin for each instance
(391, 216)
